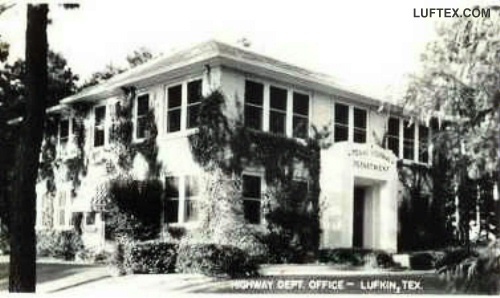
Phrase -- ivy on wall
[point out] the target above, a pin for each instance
(227, 147)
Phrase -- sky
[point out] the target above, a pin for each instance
(369, 45)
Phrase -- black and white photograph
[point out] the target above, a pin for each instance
(157, 148)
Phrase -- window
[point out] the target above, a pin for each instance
(61, 208)
(63, 133)
(393, 135)
(191, 187)
(341, 129)
(194, 97)
(300, 115)
(142, 109)
(252, 198)
(171, 212)
(181, 199)
(47, 210)
(174, 108)
(408, 140)
(423, 140)
(254, 103)
(360, 125)
(99, 126)
(90, 218)
(277, 113)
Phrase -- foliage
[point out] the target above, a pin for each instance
(214, 260)
(356, 257)
(224, 147)
(134, 59)
(133, 208)
(424, 260)
(4, 242)
(58, 244)
(473, 272)
(92, 256)
(150, 257)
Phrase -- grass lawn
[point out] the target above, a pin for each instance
(46, 272)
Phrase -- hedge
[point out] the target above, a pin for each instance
(150, 257)
(58, 244)
(356, 257)
(215, 260)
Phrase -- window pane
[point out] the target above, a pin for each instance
(408, 131)
(341, 133)
(301, 104)
(277, 122)
(100, 115)
(359, 118)
(359, 136)
(64, 132)
(393, 144)
(142, 127)
(393, 129)
(254, 93)
(251, 186)
(191, 210)
(251, 210)
(142, 105)
(171, 211)
(172, 187)
(278, 98)
(174, 120)
(175, 96)
(408, 150)
(408, 141)
(423, 136)
(300, 127)
(194, 91)
(192, 115)
(98, 137)
(341, 114)
(191, 186)
(253, 117)
(90, 218)
(62, 217)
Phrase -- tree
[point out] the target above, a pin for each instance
(459, 84)
(22, 276)
(136, 58)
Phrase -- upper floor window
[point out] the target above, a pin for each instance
(281, 112)
(341, 129)
(300, 120)
(423, 139)
(252, 195)
(99, 125)
(360, 124)
(254, 105)
(61, 208)
(393, 135)
(174, 108)
(277, 113)
(408, 140)
(194, 97)
(141, 114)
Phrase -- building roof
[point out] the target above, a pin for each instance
(215, 52)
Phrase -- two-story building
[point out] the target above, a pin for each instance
(358, 179)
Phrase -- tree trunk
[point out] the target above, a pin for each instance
(22, 277)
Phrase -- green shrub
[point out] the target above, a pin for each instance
(356, 257)
(93, 256)
(58, 244)
(472, 271)
(423, 260)
(214, 260)
(150, 257)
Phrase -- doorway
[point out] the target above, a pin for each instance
(358, 216)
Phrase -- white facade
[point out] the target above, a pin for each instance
(357, 159)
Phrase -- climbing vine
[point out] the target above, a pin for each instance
(226, 146)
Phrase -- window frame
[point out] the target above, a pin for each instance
(284, 112)
(190, 105)
(415, 140)
(308, 117)
(63, 147)
(355, 129)
(136, 117)
(102, 126)
(350, 120)
(182, 199)
(260, 174)
(254, 105)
